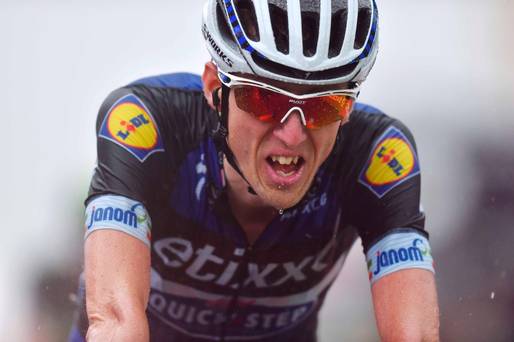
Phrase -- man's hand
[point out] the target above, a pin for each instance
(406, 306)
(117, 269)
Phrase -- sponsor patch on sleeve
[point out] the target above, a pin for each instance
(398, 251)
(392, 162)
(118, 213)
(130, 124)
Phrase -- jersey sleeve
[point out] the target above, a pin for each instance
(118, 213)
(130, 164)
(386, 201)
(129, 147)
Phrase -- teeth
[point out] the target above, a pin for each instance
(285, 160)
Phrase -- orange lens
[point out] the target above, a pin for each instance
(270, 106)
(324, 110)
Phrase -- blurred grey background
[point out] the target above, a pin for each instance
(446, 68)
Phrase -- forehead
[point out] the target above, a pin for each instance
(299, 89)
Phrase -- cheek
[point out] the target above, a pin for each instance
(236, 125)
(324, 140)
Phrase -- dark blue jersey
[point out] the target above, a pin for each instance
(156, 148)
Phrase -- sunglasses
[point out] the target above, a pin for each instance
(268, 103)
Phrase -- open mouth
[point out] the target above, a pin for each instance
(285, 167)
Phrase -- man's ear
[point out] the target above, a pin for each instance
(210, 82)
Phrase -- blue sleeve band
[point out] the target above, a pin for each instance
(398, 251)
(118, 213)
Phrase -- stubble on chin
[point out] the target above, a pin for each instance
(282, 198)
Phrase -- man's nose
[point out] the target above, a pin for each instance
(292, 131)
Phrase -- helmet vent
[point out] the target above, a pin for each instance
(279, 24)
(310, 26)
(246, 12)
(363, 24)
(297, 41)
(225, 30)
(337, 32)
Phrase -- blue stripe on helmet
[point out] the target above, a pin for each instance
(372, 35)
(238, 31)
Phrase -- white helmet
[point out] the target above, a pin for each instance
(296, 41)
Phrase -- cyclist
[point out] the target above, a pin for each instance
(223, 208)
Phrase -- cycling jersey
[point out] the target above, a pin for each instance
(160, 179)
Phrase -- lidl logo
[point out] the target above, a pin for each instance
(130, 124)
(391, 162)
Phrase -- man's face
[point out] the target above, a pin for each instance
(279, 160)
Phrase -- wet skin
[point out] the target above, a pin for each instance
(254, 143)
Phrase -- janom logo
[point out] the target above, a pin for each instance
(127, 217)
(417, 252)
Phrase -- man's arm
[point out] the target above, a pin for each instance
(117, 269)
(406, 306)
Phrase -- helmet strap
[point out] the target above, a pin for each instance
(221, 133)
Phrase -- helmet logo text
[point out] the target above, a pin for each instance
(215, 46)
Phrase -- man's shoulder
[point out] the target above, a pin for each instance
(369, 117)
(179, 80)
(368, 123)
(376, 150)
(367, 109)
(165, 90)
(172, 100)
(159, 92)
(156, 114)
